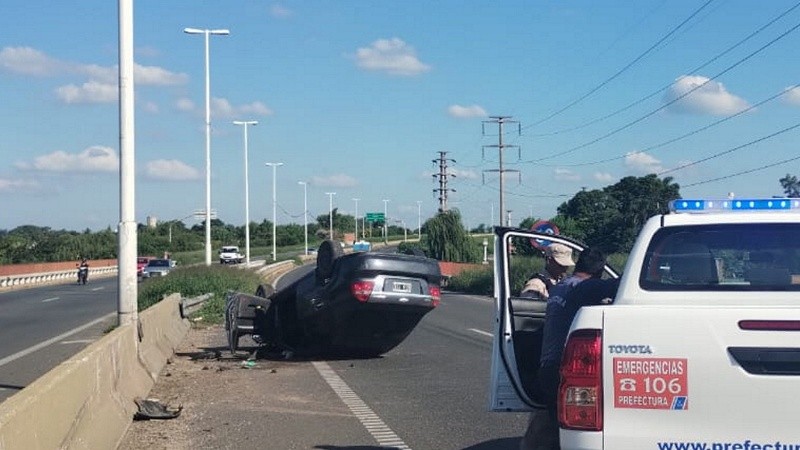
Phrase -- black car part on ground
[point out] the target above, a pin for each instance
(360, 304)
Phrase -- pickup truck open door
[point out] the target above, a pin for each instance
(519, 322)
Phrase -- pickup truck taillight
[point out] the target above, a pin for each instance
(436, 295)
(580, 395)
(362, 290)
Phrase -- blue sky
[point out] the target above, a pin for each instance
(358, 98)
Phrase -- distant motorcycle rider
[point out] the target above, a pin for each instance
(83, 271)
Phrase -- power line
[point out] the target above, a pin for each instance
(664, 88)
(671, 102)
(744, 172)
(625, 68)
(731, 150)
(684, 136)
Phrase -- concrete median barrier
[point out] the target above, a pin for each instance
(87, 402)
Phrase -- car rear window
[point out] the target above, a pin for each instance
(731, 257)
(158, 263)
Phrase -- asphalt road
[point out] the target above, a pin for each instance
(44, 326)
(432, 390)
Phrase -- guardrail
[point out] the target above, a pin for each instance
(21, 280)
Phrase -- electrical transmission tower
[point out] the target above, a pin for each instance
(442, 177)
(500, 121)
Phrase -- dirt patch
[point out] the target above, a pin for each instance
(212, 386)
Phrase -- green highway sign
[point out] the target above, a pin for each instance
(375, 217)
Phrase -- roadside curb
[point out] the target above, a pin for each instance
(87, 402)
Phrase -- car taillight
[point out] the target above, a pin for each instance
(436, 294)
(580, 394)
(361, 290)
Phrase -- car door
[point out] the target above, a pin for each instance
(519, 321)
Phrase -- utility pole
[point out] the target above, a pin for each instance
(442, 177)
(500, 121)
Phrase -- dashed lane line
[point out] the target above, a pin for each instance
(51, 299)
(44, 344)
(485, 333)
(371, 422)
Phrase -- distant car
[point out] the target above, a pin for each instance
(157, 268)
(141, 263)
(229, 254)
(361, 304)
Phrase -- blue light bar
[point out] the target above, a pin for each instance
(729, 205)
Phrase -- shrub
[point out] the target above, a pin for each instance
(199, 280)
(474, 281)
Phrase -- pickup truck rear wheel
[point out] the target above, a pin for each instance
(327, 254)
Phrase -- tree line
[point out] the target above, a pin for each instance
(609, 219)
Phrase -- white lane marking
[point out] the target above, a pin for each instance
(97, 289)
(374, 425)
(481, 332)
(44, 344)
(78, 341)
(50, 299)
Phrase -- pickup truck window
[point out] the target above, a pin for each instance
(723, 257)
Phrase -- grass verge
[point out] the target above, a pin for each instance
(199, 280)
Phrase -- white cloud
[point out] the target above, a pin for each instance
(466, 111)
(644, 163)
(603, 177)
(466, 174)
(151, 107)
(17, 186)
(566, 175)
(93, 159)
(223, 109)
(184, 104)
(28, 61)
(711, 98)
(89, 92)
(392, 56)
(280, 11)
(170, 170)
(338, 180)
(156, 76)
(792, 95)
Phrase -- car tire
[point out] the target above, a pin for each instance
(329, 251)
(231, 312)
(265, 291)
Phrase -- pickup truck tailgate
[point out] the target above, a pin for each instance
(700, 377)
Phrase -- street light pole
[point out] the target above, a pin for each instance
(385, 218)
(207, 32)
(330, 213)
(246, 190)
(356, 236)
(419, 220)
(274, 208)
(305, 213)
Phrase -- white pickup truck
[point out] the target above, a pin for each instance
(229, 254)
(699, 349)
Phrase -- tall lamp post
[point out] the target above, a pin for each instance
(356, 236)
(274, 208)
(246, 190)
(330, 213)
(419, 220)
(207, 32)
(385, 218)
(305, 213)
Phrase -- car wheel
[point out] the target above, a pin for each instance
(231, 312)
(265, 291)
(327, 254)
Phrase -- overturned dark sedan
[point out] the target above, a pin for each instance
(358, 304)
